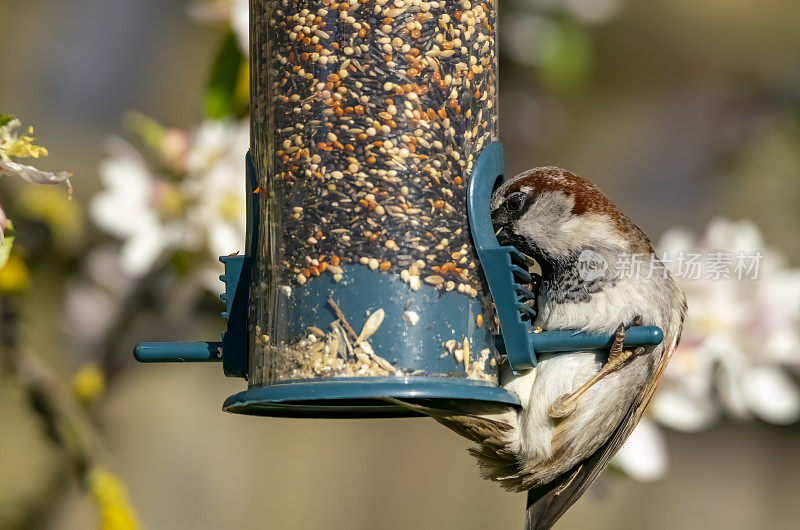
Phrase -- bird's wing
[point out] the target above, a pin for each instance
(491, 427)
(547, 503)
(479, 429)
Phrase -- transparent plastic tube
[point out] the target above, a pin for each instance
(367, 118)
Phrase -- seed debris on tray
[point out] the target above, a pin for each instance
(340, 352)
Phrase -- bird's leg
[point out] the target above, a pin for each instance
(617, 356)
(617, 353)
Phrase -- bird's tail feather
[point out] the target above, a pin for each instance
(548, 502)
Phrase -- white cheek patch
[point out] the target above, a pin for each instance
(542, 222)
(592, 228)
(551, 225)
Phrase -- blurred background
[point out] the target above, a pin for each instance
(685, 112)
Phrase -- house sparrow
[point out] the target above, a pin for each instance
(599, 274)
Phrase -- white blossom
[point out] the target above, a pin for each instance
(216, 180)
(644, 455)
(739, 339)
(13, 144)
(234, 12)
(137, 207)
(201, 211)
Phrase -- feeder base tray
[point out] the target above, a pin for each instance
(358, 397)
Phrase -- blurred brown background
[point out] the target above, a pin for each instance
(679, 109)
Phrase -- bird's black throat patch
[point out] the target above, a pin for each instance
(570, 282)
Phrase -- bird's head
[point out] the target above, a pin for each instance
(553, 216)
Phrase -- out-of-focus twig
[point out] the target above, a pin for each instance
(109, 347)
(63, 420)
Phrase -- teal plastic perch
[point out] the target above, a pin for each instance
(236, 297)
(560, 341)
(176, 352)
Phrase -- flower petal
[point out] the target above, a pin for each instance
(682, 410)
(240, 23)
(772, 395)
(125, 204)
(140, 252)
(3, 221)
(733, 236)
(675, 241)
(644, 455)
(224, 238)
(31, 174)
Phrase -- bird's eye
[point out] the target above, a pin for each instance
(516, 201)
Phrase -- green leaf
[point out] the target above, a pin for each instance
(221, 95)
(5, 119)
(566, 58)
(149, 130)
(8, 242)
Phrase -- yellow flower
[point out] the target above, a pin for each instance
(14, 146)
(111, 497)
(14, 275)
(23, 147)
(88, 383)
(11, 144)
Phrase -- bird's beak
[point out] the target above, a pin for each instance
(500, 220)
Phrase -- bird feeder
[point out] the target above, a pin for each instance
(372, 121)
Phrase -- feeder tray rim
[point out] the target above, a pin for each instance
(359, 397)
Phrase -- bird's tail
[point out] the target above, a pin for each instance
(548, 502)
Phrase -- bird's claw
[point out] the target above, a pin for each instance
(617, 347)
(562, 407)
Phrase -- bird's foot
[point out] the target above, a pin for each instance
(617, 356)
(563, 406)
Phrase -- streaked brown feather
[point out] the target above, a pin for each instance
(485, 431)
